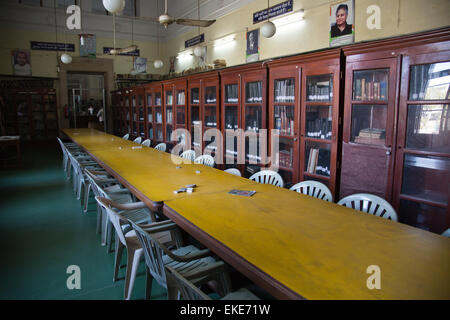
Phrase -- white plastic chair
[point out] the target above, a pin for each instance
(446, 233)
(161, 147)
(188, 154)
(109, 188)
(268, 177)
(189, 291)
(234, 171)
(314, 189)
(126, 239)
(138, 140)
(205, 159)
(126, 137)
(369, 203)
(147, 143)
(185, 259)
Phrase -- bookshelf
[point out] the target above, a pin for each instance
(116, 101)
(304, 108)
(137, 95)
(148, 96)
(203, 110)
(243, 107)
(396, 133)
(174, 110)
(31, 113)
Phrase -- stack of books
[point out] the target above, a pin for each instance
(319, 162)
(371, 136)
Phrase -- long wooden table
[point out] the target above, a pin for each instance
(292, 245)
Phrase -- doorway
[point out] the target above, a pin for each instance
(86, 97)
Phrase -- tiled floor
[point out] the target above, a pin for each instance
(43, 231)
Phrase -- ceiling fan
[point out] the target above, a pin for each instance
(166, 20)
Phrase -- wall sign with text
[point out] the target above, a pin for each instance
(194, 41)
(52, 46)
(274, 11)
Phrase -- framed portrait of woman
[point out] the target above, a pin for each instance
(342, 23)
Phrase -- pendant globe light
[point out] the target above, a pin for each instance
(133, 71)
(158, 62)
(268, 29)
(114, 6)
(199, 50)
(65, 57)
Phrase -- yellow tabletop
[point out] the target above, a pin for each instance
(315, 249)
(321, 250)
(155, 174)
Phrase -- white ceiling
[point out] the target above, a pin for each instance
(15, 15)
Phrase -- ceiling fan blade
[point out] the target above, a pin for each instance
(123, 50)
(195, 23)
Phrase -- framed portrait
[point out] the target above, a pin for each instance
(342, 23)
(140, 64)
(88, 47)
(21, 61)
(252, 52)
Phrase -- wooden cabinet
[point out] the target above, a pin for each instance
(397, 127)
(368, 137)
(243, 108)
(175, 115)
(203, 111)
(137, 114)
(304, 109)
(157, 108)
(31, 114)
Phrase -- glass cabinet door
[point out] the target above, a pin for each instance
(194, 117)
(423, 157)
(368, 136)
(230, 122)
(210, 110)
(158, 119)
(253, 121)
(284, 116)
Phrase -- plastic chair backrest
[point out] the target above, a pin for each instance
(113, 216)
(371, 204)
(314, 189)
(161, 147)
(268, 177)
(234, 171)
(138, 140)
(147, 143)
(126, 137)
(187, 289)
(188, 154)
(446, 233)
(153, 254)
(205, 159)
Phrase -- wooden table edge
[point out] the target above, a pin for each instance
(255, 274)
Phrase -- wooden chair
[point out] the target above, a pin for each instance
(189, 291)
(369, 203)
(161, 147)
(147, 143)
(126, 240)
(138, 140)
(187, 260)
(268, 177)
(126, 137)
(314, 189)
(188, 154)
(205, 159)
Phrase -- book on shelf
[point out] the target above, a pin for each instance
(369, 140)
(323, 162)
(312, 160)
(231, 92)
(285, 91)
(374, 133)
(254, 92)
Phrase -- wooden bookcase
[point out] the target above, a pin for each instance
(203, 109)
(243, 107)
(157, 125)
(31, 113)
(116, 101)
(407, 162)
(137, 95)
(175, 113)
(304, 108)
